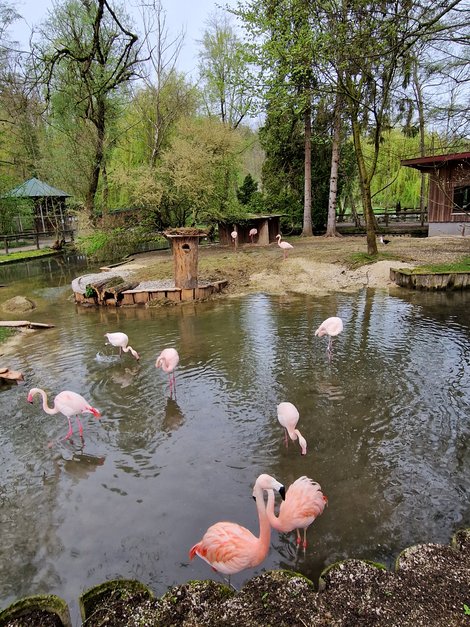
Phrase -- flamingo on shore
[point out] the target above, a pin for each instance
(288, 417)
(121, 340)
(230, 548)
(234, 236)
(252, 234)
(331, 327)
(303, 503)
(67, 403)
(167, 361)
(284, 245)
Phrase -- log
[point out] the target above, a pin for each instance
(10, 375)
(25, 323)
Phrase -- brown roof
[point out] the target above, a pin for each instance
(435, 161)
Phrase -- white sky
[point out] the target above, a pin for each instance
(190, 15)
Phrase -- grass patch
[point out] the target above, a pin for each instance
(28, 254)
(5, 333)
(356, 260)
(463, 265)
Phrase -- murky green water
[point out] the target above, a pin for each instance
(387, 424)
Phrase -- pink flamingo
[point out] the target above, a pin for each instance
(167, 361)
(67, 403)
(252, 234)
(234, 236)
(331, 327)
(288, 416)
(304, 502)
(230, 548)
(284, 245)
(121, 340)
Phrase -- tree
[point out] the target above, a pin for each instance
(247, 189)
(86, 57)
(223, 68)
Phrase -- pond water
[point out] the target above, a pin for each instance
(386, 421)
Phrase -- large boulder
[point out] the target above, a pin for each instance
(18, 304)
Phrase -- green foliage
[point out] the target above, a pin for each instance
(113, 244)
(27, 254)
(5, 333)
(444, 268)
(247, 189)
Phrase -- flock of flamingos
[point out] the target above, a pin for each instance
(228, 547)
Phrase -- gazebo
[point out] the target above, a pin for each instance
(50, 211)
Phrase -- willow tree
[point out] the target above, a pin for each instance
(85, 59)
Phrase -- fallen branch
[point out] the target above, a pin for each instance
(25, 323)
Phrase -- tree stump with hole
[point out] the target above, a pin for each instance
(185, 248)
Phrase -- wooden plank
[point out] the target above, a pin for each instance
(25, 323)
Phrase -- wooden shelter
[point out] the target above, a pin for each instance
(268, 226)
(49, 206)
(449, 191)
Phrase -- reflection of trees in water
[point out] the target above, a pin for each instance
(58, 269)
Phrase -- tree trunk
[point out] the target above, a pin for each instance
(98, 161)
(307, 226)
(422, 145)
(333, 198)
(364, 183)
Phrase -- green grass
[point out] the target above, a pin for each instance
(363, 259)
(28, 254)
(5, 333)
(444, 268)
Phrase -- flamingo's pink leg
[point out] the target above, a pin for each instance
(286, 439)
(70, 431)
(298, 539)
(80, 427)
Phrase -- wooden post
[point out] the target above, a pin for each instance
(185, 248)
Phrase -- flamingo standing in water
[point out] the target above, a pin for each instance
(167, 361)
(252, 234)
(331, 327)
(284, 245)
(288, 416)
(67, 403)
(121, 340)
(230, 548)
(304, 502)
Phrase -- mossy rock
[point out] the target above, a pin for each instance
(461, 540)
(109, 592)
(47, 610)
(322, 580)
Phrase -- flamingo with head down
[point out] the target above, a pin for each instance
(230, 548)
(67, 403)
(332, 327)
(288, 417)
(168, 361)
(304, 502)
(284, 245)
(122, 341)
(252, 234)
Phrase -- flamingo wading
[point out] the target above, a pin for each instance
(167, 361)
(304, 502)
(288, 417)
(284, 245)
(230, 548)
(331, 327)
(122, 341)
(67, 403)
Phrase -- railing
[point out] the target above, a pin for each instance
(390, 216)
(32, 238)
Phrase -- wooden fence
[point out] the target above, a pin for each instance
(32, 238)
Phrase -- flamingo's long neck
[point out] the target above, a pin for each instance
(45, 406)
(264, 527)
(272, 518)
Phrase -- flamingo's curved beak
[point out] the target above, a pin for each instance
(95, 412)
(282, 492)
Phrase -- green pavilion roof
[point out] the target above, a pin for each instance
(34, 188)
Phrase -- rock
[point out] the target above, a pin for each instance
(18, 303)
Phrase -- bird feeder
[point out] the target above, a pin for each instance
(185, 248)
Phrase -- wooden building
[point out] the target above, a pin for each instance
(267, 226)
(449, 191)
(49, 205)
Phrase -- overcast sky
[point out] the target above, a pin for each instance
(191, 15)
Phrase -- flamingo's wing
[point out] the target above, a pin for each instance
(304, 502)
(227, 547)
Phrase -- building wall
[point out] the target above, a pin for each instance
(442, 183)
